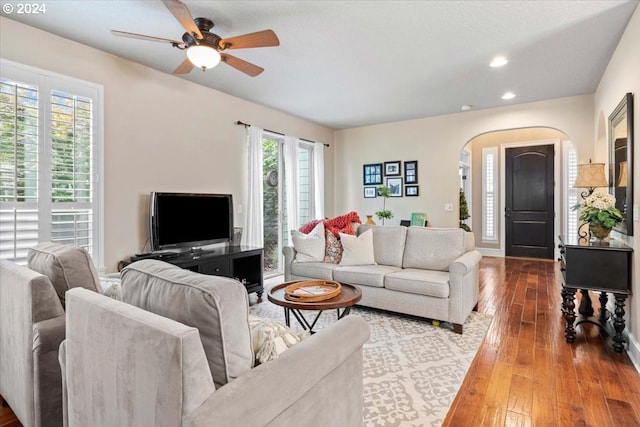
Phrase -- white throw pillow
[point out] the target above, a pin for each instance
(358, 250)
(309, 247)
(270, 338)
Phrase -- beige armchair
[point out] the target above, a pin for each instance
(143, 368)
(32, 326)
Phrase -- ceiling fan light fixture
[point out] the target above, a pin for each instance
(499, 61)
(203, 57)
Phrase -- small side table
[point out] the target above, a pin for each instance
(347, 298)
(595, 266)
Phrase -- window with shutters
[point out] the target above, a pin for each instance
(571, 171)
(489, 194)
(50, 137)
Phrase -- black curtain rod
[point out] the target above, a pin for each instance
(277, 133)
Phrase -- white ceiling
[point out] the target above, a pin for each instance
(351, 63)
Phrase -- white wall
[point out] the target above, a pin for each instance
(436, 143)
(161, 132)
(621, 76)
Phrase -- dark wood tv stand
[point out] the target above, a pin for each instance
(243, 263)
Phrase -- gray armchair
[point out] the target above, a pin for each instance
(143, 368)
(32, 326)
(31, 329)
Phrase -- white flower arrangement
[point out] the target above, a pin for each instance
(599, 209)
(600, 200)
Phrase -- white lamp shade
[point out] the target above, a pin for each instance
(590, 175)
(203, 57)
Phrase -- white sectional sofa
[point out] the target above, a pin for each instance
(421, 271)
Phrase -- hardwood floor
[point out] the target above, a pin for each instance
(7, 418)
(525, 374)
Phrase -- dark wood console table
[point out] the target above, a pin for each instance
(242, 263)
(594, 266)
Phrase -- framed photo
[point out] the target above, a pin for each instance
(411, 172)
(418, 218)
(372, 174)
(369, 192)
(392, 168)
(395, 185)
(411, 190)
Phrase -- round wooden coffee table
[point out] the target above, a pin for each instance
(348, 297)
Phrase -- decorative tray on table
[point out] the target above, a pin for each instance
(312, 290)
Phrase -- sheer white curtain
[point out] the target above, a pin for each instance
(291, 144)
(253, 223)
(318, 179)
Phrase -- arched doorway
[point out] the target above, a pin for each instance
(488, 187)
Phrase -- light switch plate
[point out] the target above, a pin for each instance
(448, 207)
(636, 214)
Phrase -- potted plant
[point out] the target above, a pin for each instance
(464, 211)
(385, 193)
(600, 212)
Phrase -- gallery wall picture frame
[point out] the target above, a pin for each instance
(395, 185)
(411, 190)
(372, 174)
(419, 219)
(370, 192)
(411, 172)
(392, 168)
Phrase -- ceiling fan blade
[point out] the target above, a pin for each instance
(263, 38)
(241, 65)
(182, 14)
(184, 68)
(143, 37)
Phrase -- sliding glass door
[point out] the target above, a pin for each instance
(276, 231)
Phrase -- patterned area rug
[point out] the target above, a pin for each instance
(412, 369)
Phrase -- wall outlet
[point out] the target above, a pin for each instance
(448, 207)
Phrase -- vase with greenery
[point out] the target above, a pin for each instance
(385, 193)
(600, 212)
(464, 211)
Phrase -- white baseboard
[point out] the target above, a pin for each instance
(491, 252)
(633, 350)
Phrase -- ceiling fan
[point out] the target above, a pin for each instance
(205, 49)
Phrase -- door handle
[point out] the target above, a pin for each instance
(507, 212)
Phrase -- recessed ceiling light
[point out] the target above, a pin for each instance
(466, 107)
(499, 61)
(508, 95)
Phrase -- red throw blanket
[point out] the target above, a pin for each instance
(339, 224)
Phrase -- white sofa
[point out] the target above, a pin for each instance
(421, 271)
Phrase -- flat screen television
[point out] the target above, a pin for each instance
(190, 220)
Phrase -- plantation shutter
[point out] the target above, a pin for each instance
(48, 161)
(71, 169)
(19, 115)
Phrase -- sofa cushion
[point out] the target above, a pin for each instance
(217, 306)
(66, 266)
(316, 270)
(333, 249)
(388, 243)
(309, 247)
(366, 275)
(422, 282)
(357, 250)
(430, 248)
